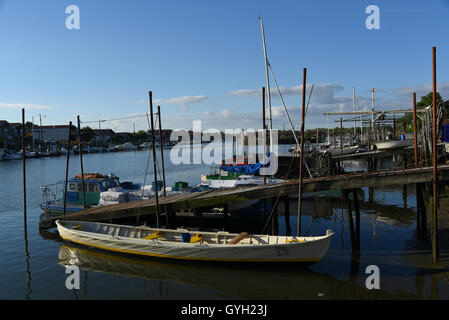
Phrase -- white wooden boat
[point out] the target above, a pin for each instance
(393, 144)
(195, 245)
(337, 151)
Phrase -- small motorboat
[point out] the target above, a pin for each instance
(195, 245)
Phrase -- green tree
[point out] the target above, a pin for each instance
(426, 101)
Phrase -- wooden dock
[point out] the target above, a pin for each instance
(212, 198)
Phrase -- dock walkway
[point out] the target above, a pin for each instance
(221, 197)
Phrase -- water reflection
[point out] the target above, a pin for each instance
(239, 281)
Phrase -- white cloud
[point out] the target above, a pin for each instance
(225, 113)
(22, 105)
(442, 88)
(182, 101)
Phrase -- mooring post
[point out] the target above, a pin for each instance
(81, 162)
(301, 155)
(24, 172)
(435, 249)
(156, 193)
(288, 229)
(67, 168)
(415, 129)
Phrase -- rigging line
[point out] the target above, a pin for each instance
(310, 95)
(113, 119)
(283, 104)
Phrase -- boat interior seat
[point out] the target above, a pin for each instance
(293, 241)
(78, 226)
(153, 236)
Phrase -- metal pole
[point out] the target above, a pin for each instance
(341, 136)
(264, 127)
(67, 168)
(268, 83)
(81, 162)
(372, 113)
(353, 109)
(301, 155)
(154, 159)
(415, 129)
(435, 249)
(24, 172)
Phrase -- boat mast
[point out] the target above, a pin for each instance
(267, 80)
(372, 112)
(353, 109)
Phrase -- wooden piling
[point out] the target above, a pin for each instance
(435, 249)
(67, 168)
(301, 156)
(154, 160)
(24, 172)
(415, 130)
(81, 162)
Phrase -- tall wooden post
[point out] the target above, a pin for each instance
(81, 162)
(435, 248)
(24, 172)
(301, 155)
(415, 130)
(67, 167)
(154, 160)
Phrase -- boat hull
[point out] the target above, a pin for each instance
(307, 251)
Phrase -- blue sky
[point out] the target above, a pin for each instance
(204, 59)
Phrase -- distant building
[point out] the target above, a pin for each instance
(56, 133)
(7, 133)
(103, 135)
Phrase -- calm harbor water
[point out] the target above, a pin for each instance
(32, 263)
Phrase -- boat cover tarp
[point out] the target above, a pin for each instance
(249, 169)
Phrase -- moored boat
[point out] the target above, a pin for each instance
(393, 144)
(195, 245)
